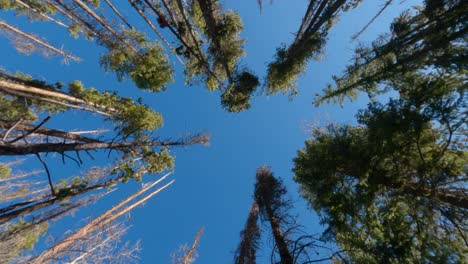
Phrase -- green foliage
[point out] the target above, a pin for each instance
(151, 162)
(14, 109)
(290, 62)
(39, 6)
(158, 162)
(430, 39)
(4, 171)
(149, 68)
(237, 97)
(74, 30)
(136, 118)
(221, 30)
(65, 188)
(18, 237)
(131, 118)
(388, 190)
(360, 180)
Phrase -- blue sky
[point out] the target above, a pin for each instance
(214, 184)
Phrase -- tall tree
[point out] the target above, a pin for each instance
(250, 236)
(381, 200)
(268, 195)
(129, 52)
(188, 254)
(309, 42)
(430, 38)
(207, 38)
(26, 207)
(292, 244)
(66, 248)
(394, 189)
(27, 43)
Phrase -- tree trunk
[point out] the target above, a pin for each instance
(48, 132)
(206, 6)
(104, 219)
(246, 253)
(11, 86)
(14, 150)
(38, 41)
(105, 25)
(12, 212)
(284, 253)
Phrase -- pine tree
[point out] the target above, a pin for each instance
(290, 61)
(28, 205)
(207, 37)
(292, 244)
(430, 38)
(250, 236)
(392, 189)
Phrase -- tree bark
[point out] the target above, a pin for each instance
(8, 215)
(38, 41)
(14, 150)
(104, 219)
(49, 132)
(11, 86)
(206, 6)
(284, 253)
(246, 253)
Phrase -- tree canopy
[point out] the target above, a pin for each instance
(392, 189)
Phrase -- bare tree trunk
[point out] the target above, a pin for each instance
(38, 41)
(14, 150)
(99, 222)
(51, 101)
(105, 25)
(285, 255)
(190, 256)
(60, 23)
(109, 3)
(24, 208)
(48, 132)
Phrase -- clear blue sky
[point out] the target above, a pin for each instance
(214, 184)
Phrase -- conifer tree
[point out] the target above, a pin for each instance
(393, 189)
(292, 244)
(27, 106)
(290, 61)
(429, 38)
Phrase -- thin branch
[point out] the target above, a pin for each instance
(58, 22)
(30, 132)
(48, 173)
(11, 129)
(357, 35)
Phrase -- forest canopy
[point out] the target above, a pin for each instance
(100, 100)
